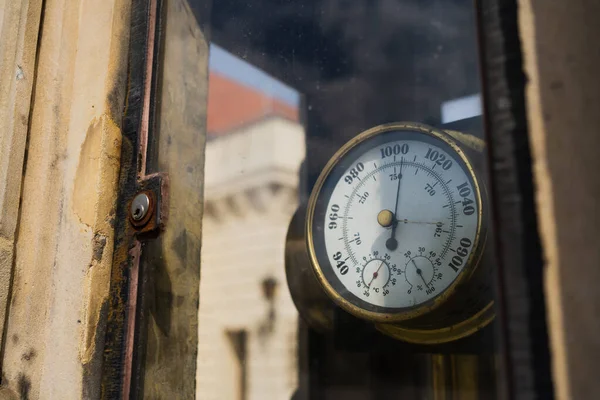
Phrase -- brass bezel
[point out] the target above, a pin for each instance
(466, 272)
(445, 334)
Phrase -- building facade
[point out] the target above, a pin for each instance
(247, 321)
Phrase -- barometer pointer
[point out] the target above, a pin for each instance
(392, 243)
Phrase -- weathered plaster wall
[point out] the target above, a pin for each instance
(64, 250)
(19, 26)
(563, 98)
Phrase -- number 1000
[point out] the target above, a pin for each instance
(395, 150)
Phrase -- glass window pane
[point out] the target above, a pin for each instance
(346, 240)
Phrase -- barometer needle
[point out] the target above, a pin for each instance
(398, 189)
(406, 221)
(420, 273)
(392, 243)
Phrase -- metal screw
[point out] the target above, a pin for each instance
(139, 206)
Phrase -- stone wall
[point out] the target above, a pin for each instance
(63, 195)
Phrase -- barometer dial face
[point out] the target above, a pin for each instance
(394, 222)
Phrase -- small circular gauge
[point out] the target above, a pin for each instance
(394, 222)
(421, 274)
(375, 277)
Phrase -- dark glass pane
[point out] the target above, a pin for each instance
(399, 304)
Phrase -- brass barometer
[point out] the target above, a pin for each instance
(395, 231)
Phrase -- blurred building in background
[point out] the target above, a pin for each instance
(248, 324)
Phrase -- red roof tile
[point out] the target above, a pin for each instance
(232, 104)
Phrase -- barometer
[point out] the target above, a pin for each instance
(395, 230)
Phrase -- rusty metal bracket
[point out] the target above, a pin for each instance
(155, 188)
(133, 226)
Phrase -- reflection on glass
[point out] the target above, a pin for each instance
(248, 328)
